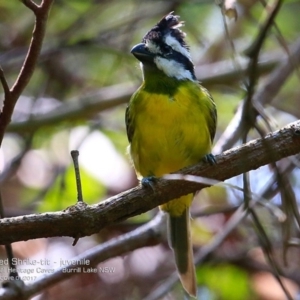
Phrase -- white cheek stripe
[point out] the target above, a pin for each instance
(152, 47)
(173, 43)
(172, 68)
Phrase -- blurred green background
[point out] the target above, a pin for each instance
(76, 99)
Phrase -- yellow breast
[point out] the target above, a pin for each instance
(170, 132)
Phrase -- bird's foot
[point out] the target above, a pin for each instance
(149, 182)
(210, 158)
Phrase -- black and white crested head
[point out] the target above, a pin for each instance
(165, 47)
(167, 34)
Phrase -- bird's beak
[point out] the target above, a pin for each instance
(142, 53)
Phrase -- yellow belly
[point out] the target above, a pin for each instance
(170, 133)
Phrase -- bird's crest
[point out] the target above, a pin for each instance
(167, 26)
(164, 46)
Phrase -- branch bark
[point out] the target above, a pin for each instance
(11, 97)
(92, 219)
(148, 234)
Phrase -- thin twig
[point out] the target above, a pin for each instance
(31, 5)
(4, 84)
(75, 154)
(281, 40)
(249, 113)
(267, 249)
(264, 95)
(41, 13)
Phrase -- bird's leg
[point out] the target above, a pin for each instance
(210, 158)
(149, 182)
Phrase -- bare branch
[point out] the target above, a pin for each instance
(34, 49)
(78, 109)
(41, 13)
(249, 113)
(31, 5)
(4, 83)
(146, 235)
(264, 95)
(85, 106)
(284, 142)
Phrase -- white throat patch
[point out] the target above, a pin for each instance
(172, 68)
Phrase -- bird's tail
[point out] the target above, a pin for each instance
(180, 241)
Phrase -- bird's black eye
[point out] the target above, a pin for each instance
(166, 49)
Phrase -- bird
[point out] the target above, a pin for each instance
(171, 123)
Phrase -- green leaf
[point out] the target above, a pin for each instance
(225, 281)
(63, 193)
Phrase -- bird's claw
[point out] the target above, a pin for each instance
(149, 182)
(210, 158)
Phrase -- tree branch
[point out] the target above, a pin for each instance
(148, 234)
(78, 109)
(249, 113)
(11, 98)
(4, 83)
(31, 5)
(284, 142)
(265, 94)
(85, 106)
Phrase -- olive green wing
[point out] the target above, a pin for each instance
(129, 124)
(212, 123)
(212, 116)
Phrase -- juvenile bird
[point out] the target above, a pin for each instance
(171, 124)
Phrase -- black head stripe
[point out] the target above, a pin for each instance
(167, 25)
(165, 40)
